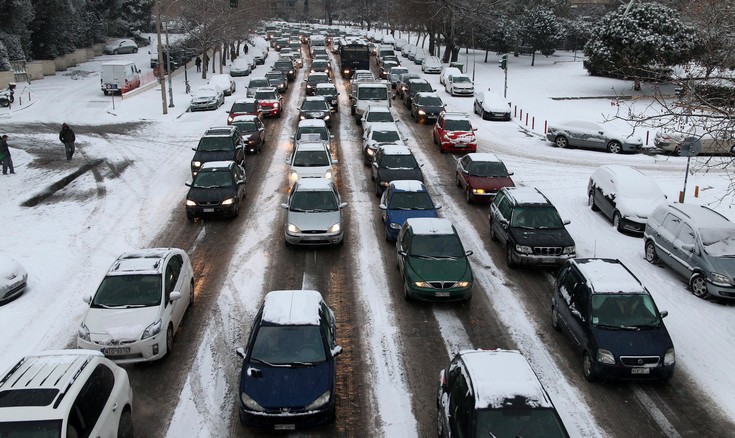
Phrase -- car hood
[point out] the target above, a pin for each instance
(274, 388)
(203, 97)
(722, 265)
(644, 342)
(317, 221)
(106, 325)
(495, 107)
(400, 216)
(400, 174)
(463, 136)
(205, 156)
(637, 207)
(557, 237)
(439, 269)
(462, 85)
(212, 195)
(488, 183)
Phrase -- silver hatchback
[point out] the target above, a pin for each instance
(314, 213)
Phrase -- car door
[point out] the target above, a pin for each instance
(580, 322)
(94, 413)
(173, 310)
(402, 245)
(460, 420)
(666, 250)
(501, 219)
(596, 138)
(604, 194)
(385, 200)
(571, 290)
(687, 250)
(463, 168)
(239, 149)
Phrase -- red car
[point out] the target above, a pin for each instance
(453, 132)
(243, 107)
(481, 176)
(270, 102)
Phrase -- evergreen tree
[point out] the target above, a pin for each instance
(541, 30)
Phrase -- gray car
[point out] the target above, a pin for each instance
(591, 135)
(314, 213)
(698, 243)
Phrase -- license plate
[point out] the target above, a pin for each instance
(640, 371)
(442, 294)
(208, 210)
(547, 260)
(115, 350)
(285, 427)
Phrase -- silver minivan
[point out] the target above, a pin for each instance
(698, 243)
(314, 213)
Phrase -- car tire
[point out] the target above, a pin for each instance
(587, 368)
(677, 151)
(135, 50)
(377, 189)
(439, 423)
(614, 147)
(591, 202)
(474, 108)
(115, 52)
(406, 294)
(125, 426)
(509, 255)
(617, 221)
(555, 319)
(169, 339)
(483, 114)
(191, 295)
(459, 184)
(561, 142)
(650, 252)
(493, 236)
(698, 285)
(468, 196)
(236, 213)
(190, 217)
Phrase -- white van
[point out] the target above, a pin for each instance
(119, 77)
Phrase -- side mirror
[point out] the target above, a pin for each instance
(87, 299)
(468, 253)
(331, 135)
(437, 207)
(194, 149)
(284, 206)
(240, 182)
(687, 247)
(566, 222)
(173, 296)
(402, 253)
(240, 352)
(336, 351)
(383, 207)
(335, 161)
(188, 183)
(510, 173)
(293, 137)
(343, 205)
(664, 313)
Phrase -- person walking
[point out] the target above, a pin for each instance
(68, 138)
(198, 63)
(5, 152)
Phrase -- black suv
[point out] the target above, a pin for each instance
(610, 318)
(286, 67)
(391, 163)
(217, 189)
(315, 107)
(426, 107)
(415, 86)
(277, 79)
(218, 144)
(528, 224)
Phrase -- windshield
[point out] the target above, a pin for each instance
(718, 242)
(399, 162)
(372, 93)
(258, 83)
(323, 134)
(436, 245)
(31, 429)
(385, 136)
(398, 71)
(526, 422)
(275, 81)
(311, 159)
(489, 168)
(313, 201)
(283, 65)
(209, 180)
(461, 79)
(319, 65)
(215, 144)
(314, 105)
(410, 201)
(430, 101)
(624, 310)
(457, 125)
(249, 107)
(541, 217)
(128, 290)
(246, 127)
(266, 95)
(380, 116)
(279, 345)
(317, 79)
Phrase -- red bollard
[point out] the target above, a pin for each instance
(526, 119)
(521, 116)
(29, 96)
(647, 132)
(546, 126)
(515, 111)
(533, 122)
(20, 100)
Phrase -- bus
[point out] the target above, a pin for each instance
(353, 56)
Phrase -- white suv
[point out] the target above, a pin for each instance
(66, 393)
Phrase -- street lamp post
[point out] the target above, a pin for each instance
(168, 68)
(160, 56)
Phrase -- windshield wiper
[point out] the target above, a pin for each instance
(133, 306)
(281, 365)
(304, 364)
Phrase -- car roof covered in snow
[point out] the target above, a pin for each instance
(430, 225)
(292, 307)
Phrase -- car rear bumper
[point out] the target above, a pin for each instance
(459, 147)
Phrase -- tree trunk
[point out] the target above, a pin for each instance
(455, 54)
(486, 52)
(431, 43)
(533, 58)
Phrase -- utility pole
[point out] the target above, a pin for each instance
(160, 57)
(168, 69)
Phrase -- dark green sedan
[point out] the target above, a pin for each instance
(433, 262)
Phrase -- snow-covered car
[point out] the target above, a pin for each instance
(447, 72)
(242, 66)
(139, 305)
(121, 46)
(459, 85)
(13, 279)
(591, 135)
(270, 102)
(225, 82)
(624, 195)
(431, 64)
(453, 132)
(313, 130)
(207, 97)
(721, 143)
(491, 106)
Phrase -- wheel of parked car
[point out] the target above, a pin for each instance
(698, 284)
(115, 52)
(406, 295)
(125, 427)
(561, 141)
(614, 147)
(468, 195)
(169, 339)
(677, 151)
(456, 175)
(587, 371)
(617, 221)
(650, 252)
(191, 295)
(377, 188)
(236, 213)
(591, 202)
(439, 425)
(555, 319)
(509, 255)
(135, 50)
(493, 236)
(483, 114)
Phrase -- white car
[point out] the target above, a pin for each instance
(139, 305)
(121, 46)
(207, 97)
(491, 106)
(431, 64)
(310, 160)
(446, 72)
(13, 279)
(66, 393)
(225, 82)
(376, 113)
(459, 85)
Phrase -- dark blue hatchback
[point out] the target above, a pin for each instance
(404, 199)
(289, 367)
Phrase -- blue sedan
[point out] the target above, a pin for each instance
(402, 200)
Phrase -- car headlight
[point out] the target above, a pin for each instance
(370, 151)
(720, 279)
(250, 403)
(84, 332)
(326, 118)
(196, 164)
(309, 85)
(229, 201)
(568, 250)
(276, 105)
(335, 228)
(293, 177)
(670, 357)
(346, 72)
(478, 191)
(446, 137)
(464, 283)
(395, 225)
(422, 112)
(605, 356)
(320, 401)
(291, 228)
(524, 249)
(385, 183)
(302, 117)
(190, 203)
(421, 284)
(152, 330)
(229, 119)
(328, 174)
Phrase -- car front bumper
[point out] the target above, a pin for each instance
(145, 350)
(314, 239)
(718, 290)
(540, 259)
(203, 106)
(285, 421)
(210, 210)
(432, 294)
(619, 371)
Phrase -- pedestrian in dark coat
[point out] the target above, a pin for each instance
(67, 137)
(245, 48)
(198, 63)
(5, 152)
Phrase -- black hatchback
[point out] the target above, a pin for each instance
(426, 107)
(610, 318)
(218, 144)
(216, 190)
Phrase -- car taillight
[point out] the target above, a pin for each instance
(442, 378)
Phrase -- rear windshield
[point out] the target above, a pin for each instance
(410, 201)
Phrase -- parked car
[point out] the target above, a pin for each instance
(433, 262)
(584, 134)
(453, 132)
(405, 199)
(481, 176)
(140, 303)
(314, 213)
(270, 102)
(121, 46)
(66, 393)
(252, 132)
(491, 106)
(431, 64)
(217, 190)
(242, 66)
(289, 376)
(625, 195)
(256, 82)
(223, 81)
(329, 92)
(418, 57)
(316, 107)
(426, 107)
(494, 393)
(459, 85)
(394, 162)
(219, 143)
(243, 107)
(530, 227)
(695, 242)
(207, 97)
(379, 134)
(310, 160)
(446, 72)
(13, 279)
(313, 79)
(718, 143)
(612, 320)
